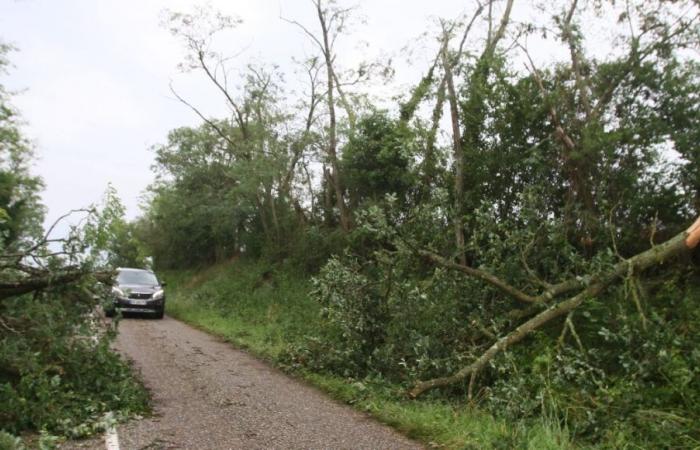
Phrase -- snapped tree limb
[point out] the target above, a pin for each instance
(32, 284)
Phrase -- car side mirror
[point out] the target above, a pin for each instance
(163, 284)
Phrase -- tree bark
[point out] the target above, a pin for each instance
(345, 102)
(480, 274)
(477, 79)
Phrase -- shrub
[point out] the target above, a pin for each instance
(58, 372)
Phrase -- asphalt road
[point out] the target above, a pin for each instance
(209, 395)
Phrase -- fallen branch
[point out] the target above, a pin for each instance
(33, 284)
(480, 274)
(552, 291)
(678, 245)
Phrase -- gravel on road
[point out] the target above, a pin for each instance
(209, 395)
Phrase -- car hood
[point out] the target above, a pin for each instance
(143, 288)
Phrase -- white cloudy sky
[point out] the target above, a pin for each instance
(93, 76)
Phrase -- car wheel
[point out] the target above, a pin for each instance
(160, 312)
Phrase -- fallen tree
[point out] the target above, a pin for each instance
(678, 245)
(36, 267)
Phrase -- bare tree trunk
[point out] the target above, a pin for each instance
(301, 214)
(310, 187)
(299, 146)
(333, 139)
(332, 25)
(345, 102)
(327, 196)
(458, 155)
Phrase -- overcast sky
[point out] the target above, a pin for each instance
(93, 75)
(93, 78)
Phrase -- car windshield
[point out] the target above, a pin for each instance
(136, 277)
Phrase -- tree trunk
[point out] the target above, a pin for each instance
(327, 196)
(273, 213)
(333, 139)
(39, 282)
(430, 163)
(458, 156)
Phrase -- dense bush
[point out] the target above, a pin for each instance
(58, 371)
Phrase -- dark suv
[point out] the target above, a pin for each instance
(137, 291)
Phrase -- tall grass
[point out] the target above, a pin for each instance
(247, 303)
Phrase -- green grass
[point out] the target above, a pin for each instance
(234, 302)
(441, 424)
(237, 303)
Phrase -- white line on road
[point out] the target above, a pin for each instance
(112, 439)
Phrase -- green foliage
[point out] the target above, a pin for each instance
(377, 158)
(57, 370)
(249, 303)
(569, 168)
(625, 382)
(624, 365)
(20, 212)
(313, 246)
(117, 237)
(10, 442)
(189, 218)
(214, 200)
(58, 374)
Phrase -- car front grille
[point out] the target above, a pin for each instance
(139, 295)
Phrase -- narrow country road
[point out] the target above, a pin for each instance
(209, 395)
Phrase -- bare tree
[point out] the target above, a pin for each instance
(197, 31)
(331, 21)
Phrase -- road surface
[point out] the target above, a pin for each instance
(209, 395)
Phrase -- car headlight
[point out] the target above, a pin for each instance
(118, 292)
(158, 295)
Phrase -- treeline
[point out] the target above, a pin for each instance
(506, 199)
